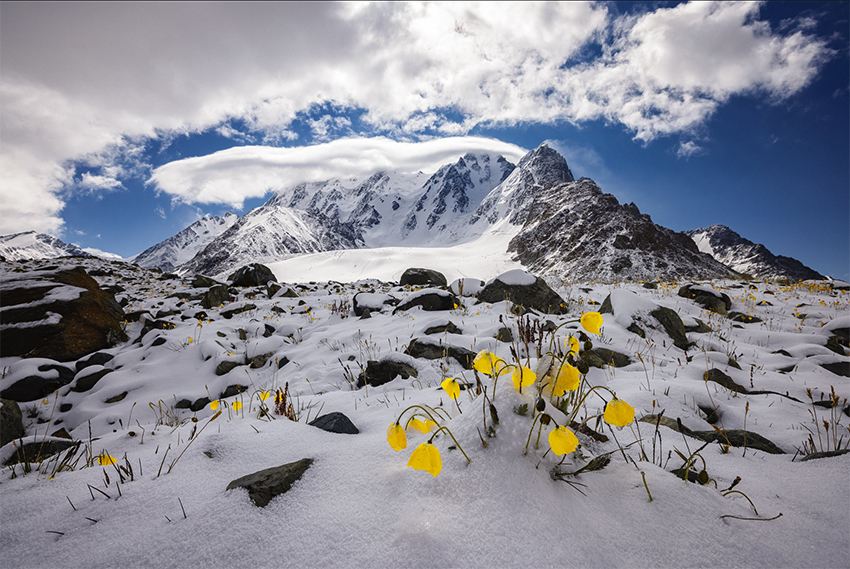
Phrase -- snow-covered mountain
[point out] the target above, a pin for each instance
(575, 231)
(182, 247)
(747, 257)
(271, 233)
(32, 245)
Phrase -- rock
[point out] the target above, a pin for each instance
(430, 300)
(85, 382)
(825, 454)
(40, 451)
(68, 324)
(523, 289)
(215, 296)
(700, 328)
(721, 378)
(199, 404)
(372, 302)
(228, 314)
(673, 326)
(264, 485)
(11, 421)
(425, 348)
(260, 360)
(422, 277)
(35, 387)
(739, 438)
(200, 281)
(635, 329)
(600, 357)
(136, 315)
(838, 368)
(707, 298)
(232, 390)
(466, 286)
(381, 372)
(443, 328)
(335, 422)
(504, 334)
(224, 367)
(116, 398)
(741, 317)
(254, 274)
(99, 358)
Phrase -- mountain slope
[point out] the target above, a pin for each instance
(271, 233)
(180, 248)
(32, 245)
(744, 256)
(576, 231)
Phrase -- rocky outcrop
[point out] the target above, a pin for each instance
(266, 484)
(526, 290)
(62, 315)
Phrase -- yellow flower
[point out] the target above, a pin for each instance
(105, 460)
(451, 387)
(265, 395)
(591, 321)
(396, 437)
(420, 426)
(237, 405)
(619, 413)
(573, 345)
(426, 457)
(523, 377)
(214, 405)
(562, 441)
(487, 363)
(568, 380)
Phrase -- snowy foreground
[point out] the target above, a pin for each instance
(359, 505)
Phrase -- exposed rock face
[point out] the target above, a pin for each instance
(430, 300)
(62, 316)
(335, 422)
(434, 349)
(709, 299)
(32, 245)
(744, 256)
(11, 421)
(180, 248)
(254, 274)
(574, 229)
(381, 372)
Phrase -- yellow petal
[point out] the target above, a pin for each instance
(237, 405)
(523, 377)
(451, 387)
(265, 395)
(573, 345)
(214, 405)
(426, 457)
(591, 321)
(619, 413)
(415, 423)
(396, 437)
(568, 379)
(562, 441)
(487, 363)
(105, 460)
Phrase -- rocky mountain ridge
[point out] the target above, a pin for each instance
(32, 245)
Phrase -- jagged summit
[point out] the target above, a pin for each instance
(180, 248)
(744, 256)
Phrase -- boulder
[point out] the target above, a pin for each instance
(422, 277)
(381, 372)
(200, 281)
(11, 421)
(430, 350)
(448, 328)
(99, 358)
(708, 298)
(40, 450)
(50, 378)
(215, 296)
(264, 485)
(673, 326)
(600, 357)
(88, 379)
(254, 274)
(335, 422)
(430, 300)
(62, 316)
(523, 289)
(372, 302)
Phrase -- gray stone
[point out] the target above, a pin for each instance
(673, 326)
(838, 368)
(825, 454)
(710, 301)
(741, 317)
(228, 314)
(443, 328)
(423, 277)
(504, 334)
(215, 296)
(721, 378)
(39, 451)
(224, 367)
(254, 274)
(429, 301)
(266, 484)
(335, 422)
(381, 372)
(600, 357)
(86, 382)
(11, 421)
(421, 348)
(200, 281)
(99, 358)
(538, 296)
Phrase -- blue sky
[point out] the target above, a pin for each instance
(122, 123)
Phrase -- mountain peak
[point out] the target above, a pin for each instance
(546, 166)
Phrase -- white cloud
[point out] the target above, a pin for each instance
(80, 79)
(233, 175)
(96, 183)
(687, 149)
